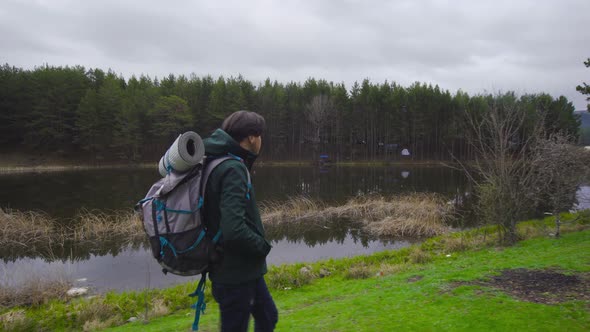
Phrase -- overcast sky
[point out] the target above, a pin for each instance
(477, 46)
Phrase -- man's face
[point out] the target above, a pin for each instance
(256, 144)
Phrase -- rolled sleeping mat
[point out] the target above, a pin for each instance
(187, 151)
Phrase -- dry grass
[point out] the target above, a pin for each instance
(159, 308)
(97, 324)
(16, 321)
(409, 215)
(298, 209)
(359, 271)
(420, 256)
(23, 229)
(98, 316)
(11, 317)
(458, 244)
(39, 233)
(92, 225)
(388, 269)
(34, 291)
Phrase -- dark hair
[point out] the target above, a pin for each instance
(242, 124)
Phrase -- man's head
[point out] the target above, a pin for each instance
(246, 128)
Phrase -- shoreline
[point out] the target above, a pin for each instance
(447, 259)
(20, 169)
(5, 170)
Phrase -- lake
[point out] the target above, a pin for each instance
(109, 266)
(62, 194)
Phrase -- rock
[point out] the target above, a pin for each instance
(77, 291)
(132, 319)
(324, 273)
(305, 270)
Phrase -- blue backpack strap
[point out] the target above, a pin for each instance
(167, 162)
(217, 237)
(200, 305)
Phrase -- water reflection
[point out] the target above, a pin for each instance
(68, 251)
(583, 198)
(336, 232)
(135, 268)
(63, 194)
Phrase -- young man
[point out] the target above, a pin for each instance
(238, 279)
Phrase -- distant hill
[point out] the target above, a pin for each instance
(585, 117)
(584, 127)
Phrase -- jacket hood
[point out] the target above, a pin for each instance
(221, 143)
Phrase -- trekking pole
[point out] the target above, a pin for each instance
(145, 317)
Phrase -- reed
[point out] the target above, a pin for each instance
(408, 215)
(296, 209)
(91, 225)
(34, 233)
(23, 229)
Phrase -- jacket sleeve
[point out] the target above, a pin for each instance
(237, 235)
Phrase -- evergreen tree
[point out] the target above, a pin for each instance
(169, 117)
(68, 110)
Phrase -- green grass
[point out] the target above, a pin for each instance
(346, 295)
(433, 303)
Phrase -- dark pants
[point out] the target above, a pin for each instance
(238, 302)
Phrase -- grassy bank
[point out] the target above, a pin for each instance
(453, 293)
(441, 284)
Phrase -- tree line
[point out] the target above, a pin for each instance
(93, 114)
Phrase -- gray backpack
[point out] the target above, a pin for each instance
(172, 219)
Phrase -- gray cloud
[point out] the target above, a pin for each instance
(526, 46)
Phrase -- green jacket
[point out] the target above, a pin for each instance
(227, 206)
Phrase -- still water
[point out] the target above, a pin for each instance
(62, 194)
(108, 266)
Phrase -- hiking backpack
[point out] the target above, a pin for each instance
(172, 219)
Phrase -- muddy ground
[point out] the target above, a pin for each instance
(540, 286)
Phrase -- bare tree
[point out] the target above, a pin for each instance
(565, 166)
(317, 113)
(517, 168)
(505, 167)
